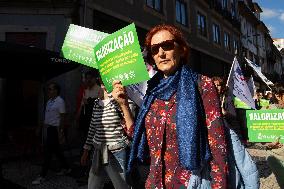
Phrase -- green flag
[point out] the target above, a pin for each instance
(79, 43)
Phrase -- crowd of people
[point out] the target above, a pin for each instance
(183, 131)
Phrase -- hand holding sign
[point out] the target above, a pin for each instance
(119, 93)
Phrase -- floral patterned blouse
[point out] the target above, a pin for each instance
(160, 123)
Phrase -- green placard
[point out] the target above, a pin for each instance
(265, 125)
(119, 58)
(240, 104)
(79, 43)
(264, 102)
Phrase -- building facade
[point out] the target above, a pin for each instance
(40, 24)
(257, 44)
(249, 25)
(216, 31)
(279, 43)
(211, 27)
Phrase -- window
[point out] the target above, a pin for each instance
(236, 46)
(201, 24)
(216, 34)
(227, 41)
(154, 4)
(233, 8)
(224, 4)
(250, 56)
(257, 15)
(254, 36)
(181, 16)
(244, 26)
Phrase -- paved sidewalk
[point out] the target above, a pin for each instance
(267, 178)
(22, 172)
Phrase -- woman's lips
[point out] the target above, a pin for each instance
(163, 61)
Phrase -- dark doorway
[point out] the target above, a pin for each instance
(21, 104)
(31, 39)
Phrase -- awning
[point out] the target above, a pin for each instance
(22, 62)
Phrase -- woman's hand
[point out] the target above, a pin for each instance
(119, 93)
(84, 158)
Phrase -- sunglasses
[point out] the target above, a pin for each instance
(165, 45)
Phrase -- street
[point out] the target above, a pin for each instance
(19, 173)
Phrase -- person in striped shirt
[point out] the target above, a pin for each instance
(109, 135)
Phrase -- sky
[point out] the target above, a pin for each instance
(273, 16)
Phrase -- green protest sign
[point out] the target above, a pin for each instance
(79, 43)
(119, 58)
(264, 102)
(265, 125)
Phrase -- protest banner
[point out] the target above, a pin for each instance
(251, 86)
(265, 125)
(125, 64)
(257, 70)
(119, 57)
(79, 45)
(238, 86)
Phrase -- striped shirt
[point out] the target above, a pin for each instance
(105, 126)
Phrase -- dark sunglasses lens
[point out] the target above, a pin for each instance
(166, 46)
(155, 49)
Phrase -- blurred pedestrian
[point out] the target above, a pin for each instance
(53, 132)
(275, 158)
(220, 86)
(109, 136)
(91, 92)
(268, 96)
(278, 91)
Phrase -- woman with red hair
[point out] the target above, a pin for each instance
(180, 126)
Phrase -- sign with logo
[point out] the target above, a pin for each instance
(119, 57)
(79, 44)
(265, 125)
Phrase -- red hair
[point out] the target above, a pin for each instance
(178, 36)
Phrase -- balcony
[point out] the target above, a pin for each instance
(246, 12)
(217, 6)
(236, 23)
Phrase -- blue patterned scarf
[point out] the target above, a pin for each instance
(193, 146)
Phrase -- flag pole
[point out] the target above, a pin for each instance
(227, 83)
(230, 71)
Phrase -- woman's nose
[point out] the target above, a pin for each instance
(161, 51)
